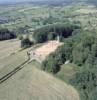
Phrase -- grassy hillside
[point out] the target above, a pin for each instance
(8, 47)
(67, 72)
(10, 57)
(30, 83)
(33, 84)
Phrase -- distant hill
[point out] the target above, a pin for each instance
(5, 34)
(37, 1)
(54, 2)
(92, 1)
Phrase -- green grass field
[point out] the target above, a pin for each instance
(10, 56)
(67, 72)
(9, 47)
(31, 83)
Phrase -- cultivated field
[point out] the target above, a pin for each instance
(9, 47)
(10, 56)
(30, 83)
(33, 84)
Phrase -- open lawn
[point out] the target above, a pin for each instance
(67, 72)
(9, 47)
(10, 56)
(31, 83)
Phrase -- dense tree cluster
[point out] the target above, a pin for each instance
(55, 60)
(22, 30)
(26, 43)
(81, 49)
(5, 34)
(84, 54)
(50, 20)
(86, 82)
(51, 31)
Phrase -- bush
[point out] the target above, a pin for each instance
(20, 37)
(25, 43)
(50, 64)
(51, 36)
(5, 34)
(53, 62)
(40, 37)
(85, 81)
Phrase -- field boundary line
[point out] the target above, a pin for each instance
(10, 74)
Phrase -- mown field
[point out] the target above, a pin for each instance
(30, 83)
(33, 84)
(67, 72)
(10, 56)
(9, 47)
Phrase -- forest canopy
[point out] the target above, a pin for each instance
(6, 34)
(50, 32)
(80, 49)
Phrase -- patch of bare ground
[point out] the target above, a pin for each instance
(47, 48)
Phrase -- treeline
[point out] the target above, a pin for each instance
(22, 30)
(84, 55)
(81, 49)
(26, 42)
(53, 62)
(50, 32)
(6, 34)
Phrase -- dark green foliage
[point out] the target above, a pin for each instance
(25, 43)
(94, 49)
(22, 30)
(79, 54)
(49, 20)
(52, 36)
(50, 64)
(85, 81)
(20, 37)
(85, 55)
(40, 37)
(79, 48)
(5, 34)
(56, 59)
(64, 30)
